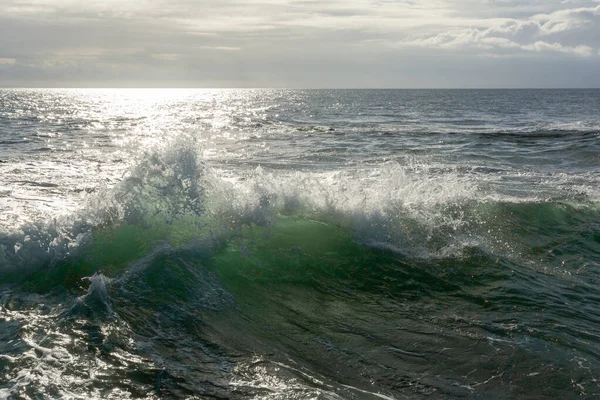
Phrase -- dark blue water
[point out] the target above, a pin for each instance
(279, 244)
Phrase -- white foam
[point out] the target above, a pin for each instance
(418, 207)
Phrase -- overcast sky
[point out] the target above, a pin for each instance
(305, 43)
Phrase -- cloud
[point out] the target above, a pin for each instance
(581, 50)
(502, 36)
(496, 41)
(166, 56)
(7, 61)
(285, 42)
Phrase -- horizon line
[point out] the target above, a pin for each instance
(290, 88)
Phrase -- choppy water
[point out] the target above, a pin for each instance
(291, 244)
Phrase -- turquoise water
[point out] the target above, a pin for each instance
(299, 244)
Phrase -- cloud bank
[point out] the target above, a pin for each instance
(303, 43)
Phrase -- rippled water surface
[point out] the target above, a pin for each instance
(300, 244)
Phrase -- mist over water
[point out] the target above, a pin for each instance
(349, 244)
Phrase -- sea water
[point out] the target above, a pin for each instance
(299, 244)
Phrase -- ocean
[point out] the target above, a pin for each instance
(299, 244)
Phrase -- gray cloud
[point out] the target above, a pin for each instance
(353, 43)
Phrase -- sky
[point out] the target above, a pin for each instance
(300, 43)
